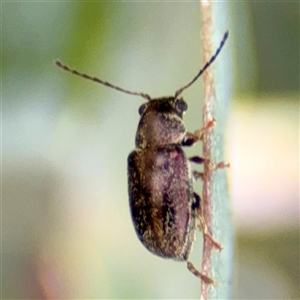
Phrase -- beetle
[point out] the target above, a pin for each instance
(165, 210)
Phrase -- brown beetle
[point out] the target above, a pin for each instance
(165, 209)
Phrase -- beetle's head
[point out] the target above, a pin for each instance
(165, 105)
(161, 118)
(161, 122)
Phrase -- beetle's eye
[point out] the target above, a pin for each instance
(142, 108)
(181, 105)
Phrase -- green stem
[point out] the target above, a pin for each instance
(216, 206)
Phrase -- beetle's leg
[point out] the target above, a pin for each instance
(204, 278)
(221, 165)
(198, 175)
(191, 138)
(201, 160)
(203, 227)
(197, 159)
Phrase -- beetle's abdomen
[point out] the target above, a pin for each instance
(160, 196)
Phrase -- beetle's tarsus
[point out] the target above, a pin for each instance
(222, 165)
(219, 165)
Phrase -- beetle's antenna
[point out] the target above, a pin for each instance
(95, 79)
(205, 66)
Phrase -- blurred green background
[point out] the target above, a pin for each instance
(66, 227)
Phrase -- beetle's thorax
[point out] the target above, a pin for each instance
(161, 124)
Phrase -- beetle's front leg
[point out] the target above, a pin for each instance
(202, 226)
(191, 138)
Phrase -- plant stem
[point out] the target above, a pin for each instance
(215, 202)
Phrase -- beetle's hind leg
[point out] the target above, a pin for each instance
(196, 206)
(196, 209)
(203, 277)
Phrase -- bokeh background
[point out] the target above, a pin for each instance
(66, 228)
